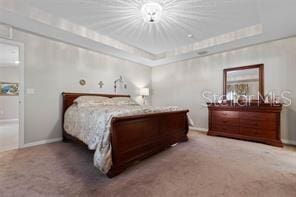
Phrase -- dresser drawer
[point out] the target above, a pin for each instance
(252, 132)
(225, 128)
(258, 116)
(226, 121)
(225, 114)
(245, 131)
(269, 125)
(249, 123)
(268, 134)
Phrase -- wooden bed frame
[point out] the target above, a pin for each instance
(135, 138)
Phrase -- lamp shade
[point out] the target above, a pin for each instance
(144, 92)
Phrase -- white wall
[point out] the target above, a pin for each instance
(183, 83)
(9, 104)
(52, 67)
(8, 107)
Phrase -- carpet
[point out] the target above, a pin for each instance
(204, 166)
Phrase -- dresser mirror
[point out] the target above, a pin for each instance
(244, 83)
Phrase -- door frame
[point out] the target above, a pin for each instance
(21, 132)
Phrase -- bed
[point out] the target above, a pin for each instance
(133, 137)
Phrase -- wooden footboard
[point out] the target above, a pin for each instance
(135, 138)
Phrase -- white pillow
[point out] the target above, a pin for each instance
(90, 100)
(121, 101)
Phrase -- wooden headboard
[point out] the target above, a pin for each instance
(68, 98)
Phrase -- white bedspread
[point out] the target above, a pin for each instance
(91, 124)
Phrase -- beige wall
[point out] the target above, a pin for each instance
(9, 107)
(183, 83)
(52, 67)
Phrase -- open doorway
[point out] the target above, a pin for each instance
(11, 95)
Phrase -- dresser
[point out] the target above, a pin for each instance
(255, 122)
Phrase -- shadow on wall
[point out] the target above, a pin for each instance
(134, 90)
(58, 127)
(291, 124)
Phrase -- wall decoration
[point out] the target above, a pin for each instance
(82, 82)
(237, 91)
(101, 84)
(120, 82)
(242, 89)
(9, 89)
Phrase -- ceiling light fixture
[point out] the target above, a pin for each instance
(151, 12)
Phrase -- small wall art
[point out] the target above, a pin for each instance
(9, 89)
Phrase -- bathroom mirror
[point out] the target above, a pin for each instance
(242, 83)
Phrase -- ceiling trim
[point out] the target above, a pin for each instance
(30, 25)
(44, 24)
(246, 32)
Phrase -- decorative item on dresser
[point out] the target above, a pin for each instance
(255, 122)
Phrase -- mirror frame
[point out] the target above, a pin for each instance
(261, 76)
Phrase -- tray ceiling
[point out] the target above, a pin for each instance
(116, 27)
(122, 19)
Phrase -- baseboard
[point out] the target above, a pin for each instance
(42, 142)
(8, 149)
(289, 142)
(204, 130)
(6, 121)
